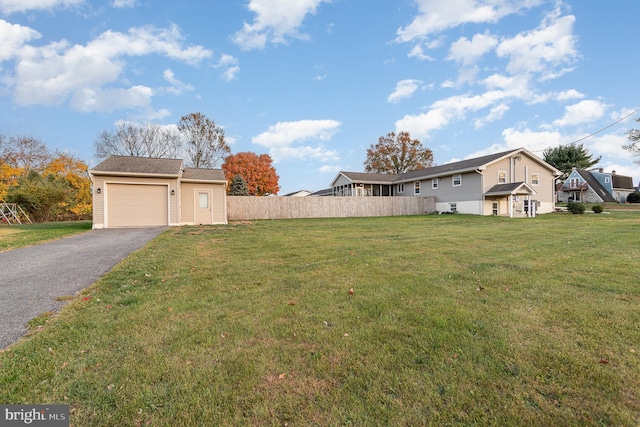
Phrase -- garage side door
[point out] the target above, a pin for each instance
(136, 205)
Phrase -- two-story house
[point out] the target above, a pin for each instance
(513, 183)
(595, 186)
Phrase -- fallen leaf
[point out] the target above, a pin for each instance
(64, 365)
(110, 387)
(281, 376)
(292, 302)
(604, 362)
(345, 334)
(480, 288)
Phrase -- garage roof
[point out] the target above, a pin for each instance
(193, 174)
(139, 165)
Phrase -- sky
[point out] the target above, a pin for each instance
(314, 83)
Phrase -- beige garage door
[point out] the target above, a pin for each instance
(136, 205)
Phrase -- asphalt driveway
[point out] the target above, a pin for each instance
(32, 278)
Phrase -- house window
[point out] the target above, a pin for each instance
(457, 180)
(502, 177)
(606, 179)
(535, 179)
(453, 207)
(416, 187)
(400, 188)
(575, 183)
(203, 200)
(494, 208)
(435, 182)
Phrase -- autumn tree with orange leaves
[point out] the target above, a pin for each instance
(31, 175)
(256, 170)
(397, 153)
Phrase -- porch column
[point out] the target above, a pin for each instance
(510, 205)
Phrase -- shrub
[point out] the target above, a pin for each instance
(575, 207)
(634, 197)
(597, 208)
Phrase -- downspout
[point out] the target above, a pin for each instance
(481, 191)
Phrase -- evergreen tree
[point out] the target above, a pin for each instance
(566, 157)
(238, 187)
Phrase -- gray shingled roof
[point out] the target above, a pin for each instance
(510, 188)
(139, 165)
(621, 181)
(371, 178)
(193, 174)
(596, 186)
(455, 167)
(435, 171)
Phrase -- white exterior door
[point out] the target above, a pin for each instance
(204, 209)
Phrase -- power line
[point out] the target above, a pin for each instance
(606, 127)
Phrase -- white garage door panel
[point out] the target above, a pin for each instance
(136, 205)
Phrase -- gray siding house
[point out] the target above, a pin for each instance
(513, 183)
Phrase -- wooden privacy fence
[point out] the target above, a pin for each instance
(250, 208)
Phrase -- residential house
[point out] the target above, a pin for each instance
(513, 183)
(299, 193)
(148, 192)
(595, 186)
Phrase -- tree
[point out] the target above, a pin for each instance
(256, 170)
(19, 154)
(397, 154)
(74, 171)
(566, 157)
(139, 140)
(39, 194)
(238, 186)
(204, 140)
(634, 143)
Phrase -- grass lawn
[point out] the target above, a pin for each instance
(455, 319)
(16, 236)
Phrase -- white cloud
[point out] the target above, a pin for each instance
(582, 112)
(275, 22)
(444, 111)
(468, 51)
(57, 72)
(122, 4)
(177, 87)
(404, 89)
(542, 50)
(283, 139)
(495, 114)
(10, 6)
(14, 37)
(230, 67)
(568, 95)
(438, 15)
(330, 169)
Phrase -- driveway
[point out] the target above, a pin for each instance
(32, 278)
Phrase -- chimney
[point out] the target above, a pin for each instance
(601, 170)
(613, 172)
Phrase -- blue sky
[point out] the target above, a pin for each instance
(314, 83)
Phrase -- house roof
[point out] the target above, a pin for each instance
(200, 174)
(596, 186)
(510, 189)
(477, 163)
(621, 181)
(138, 165)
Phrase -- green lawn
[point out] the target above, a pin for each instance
(16, 236)
(455, 320)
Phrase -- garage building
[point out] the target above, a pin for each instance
(148, 192)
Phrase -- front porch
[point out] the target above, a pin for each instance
(513, 200)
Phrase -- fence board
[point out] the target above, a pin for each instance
(250, 208)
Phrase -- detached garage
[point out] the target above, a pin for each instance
(146, 192)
